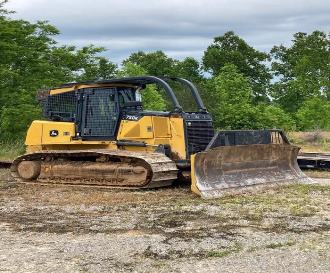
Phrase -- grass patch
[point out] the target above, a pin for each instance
(296, 200)
(11, 149)
(252, 214)
(279, 245)
(316, 141)
(302, 211)
(303, 189)
(317, 174)
(223, 253)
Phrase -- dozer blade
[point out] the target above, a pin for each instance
(242, 168)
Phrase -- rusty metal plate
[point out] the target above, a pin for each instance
(241, 168)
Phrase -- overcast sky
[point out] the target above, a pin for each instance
(181, 28)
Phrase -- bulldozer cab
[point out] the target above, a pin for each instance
(97, 108)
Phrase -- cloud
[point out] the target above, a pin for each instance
(180, 28)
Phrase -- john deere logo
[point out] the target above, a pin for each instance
(53, 133)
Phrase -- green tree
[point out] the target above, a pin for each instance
(233, 107)
(155, 63)
(303, 70)
(88, 65)
(151, 98)
(190, 69)
(159, 64)
(273, 117)
(30, 60)
(314, 114)
(231, 96)
(15, 120)
(231, 49)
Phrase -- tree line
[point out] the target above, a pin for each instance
(244, 88)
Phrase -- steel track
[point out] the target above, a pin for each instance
(5, 164)
(162, 171)
(318, 161)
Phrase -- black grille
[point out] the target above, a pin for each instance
(61, 107)
(247, 137)
(199, 135)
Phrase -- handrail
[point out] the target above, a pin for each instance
(193, 90)
(143, 80)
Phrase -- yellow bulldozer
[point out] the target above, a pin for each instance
(98, 134)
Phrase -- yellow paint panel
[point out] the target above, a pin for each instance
(66, 130)
(163, 141)
(177, 142)
(39, 133)
(153, 131)
(139, 130)
(161, 127)
(34, 133)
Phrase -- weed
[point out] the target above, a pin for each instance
(278, 245)
(303, 189)
(222, 253)
(314, 137)
(317, 174)
(302, 211)
(11, 149)
(316, 141)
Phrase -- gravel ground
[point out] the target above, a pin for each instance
(72, 229)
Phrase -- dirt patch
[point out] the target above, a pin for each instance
(318, 174)
(76, 229)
